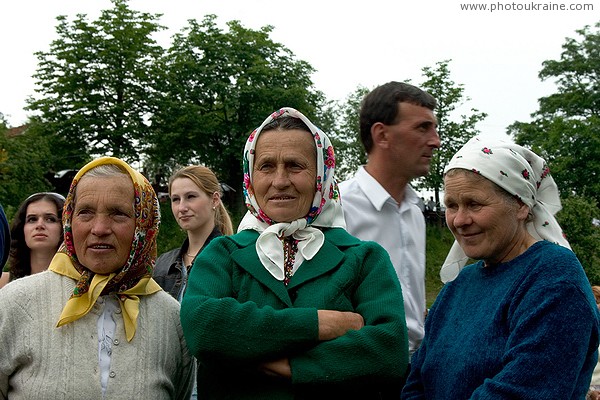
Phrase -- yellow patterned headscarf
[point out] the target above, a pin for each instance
(134, 279)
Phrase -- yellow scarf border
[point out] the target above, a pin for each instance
(77, 307)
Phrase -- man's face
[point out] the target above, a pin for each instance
(412, 140)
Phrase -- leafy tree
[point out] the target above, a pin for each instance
(218, 86)
(345, 137)
(454, 130)
(96, 83)
(566, 127)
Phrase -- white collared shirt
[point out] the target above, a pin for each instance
(106, 336)
(372, 214)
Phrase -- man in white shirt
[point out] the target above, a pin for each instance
(398, 129)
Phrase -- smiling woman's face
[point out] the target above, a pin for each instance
(487, 225)
(103, 222)
(284, 174)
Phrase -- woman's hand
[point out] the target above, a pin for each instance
(279, 368)
(333, 324)
(593, 395)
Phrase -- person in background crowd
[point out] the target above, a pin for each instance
(36, 233)
(520, 323)
(594, 392)
(398, 130)
(4, 237)
(431, 204)
(195, 195)
(292, 306)
(95, 325)
(421, 204)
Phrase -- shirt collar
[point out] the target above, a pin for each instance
(376, 194)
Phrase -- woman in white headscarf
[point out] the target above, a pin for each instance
(292, 306)
(520, 323)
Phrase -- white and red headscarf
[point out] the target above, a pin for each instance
(325, 212)
(520, 172)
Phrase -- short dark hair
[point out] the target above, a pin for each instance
(381, 105)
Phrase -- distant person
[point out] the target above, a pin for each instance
(398, 132)
(95, 325)
(421, 204)
(196, 204)
(594, 392)
(432, 205)
(521, 322)
(36, 233)
(292, 306)
(4, 237)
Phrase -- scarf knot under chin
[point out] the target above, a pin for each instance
(79, 305)
(270, 249)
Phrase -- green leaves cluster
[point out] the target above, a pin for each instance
(24, 165)
(345, 134)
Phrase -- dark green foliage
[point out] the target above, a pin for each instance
(576, 220)
(345, 134)
(25, 162)
(218, 86)
(566, 131)
(170, 235)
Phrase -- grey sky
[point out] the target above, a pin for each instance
(496, 55)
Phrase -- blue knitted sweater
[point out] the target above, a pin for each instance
(524, 329)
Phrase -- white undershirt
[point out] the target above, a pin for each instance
(106, 336)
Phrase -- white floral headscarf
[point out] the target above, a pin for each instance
(325, 212)
(521, 173)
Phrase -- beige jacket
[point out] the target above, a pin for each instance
(40, 361)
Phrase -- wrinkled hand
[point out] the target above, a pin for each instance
(593, 395)
(279, 368)
(333, 324)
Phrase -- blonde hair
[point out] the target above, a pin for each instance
(207, 181)
(596, 291)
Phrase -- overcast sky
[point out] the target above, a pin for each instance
(496, 55)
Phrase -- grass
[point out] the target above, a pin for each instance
(439, 241)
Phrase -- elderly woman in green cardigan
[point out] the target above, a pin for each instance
(292, 306)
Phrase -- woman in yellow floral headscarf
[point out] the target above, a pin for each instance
(96, 325)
